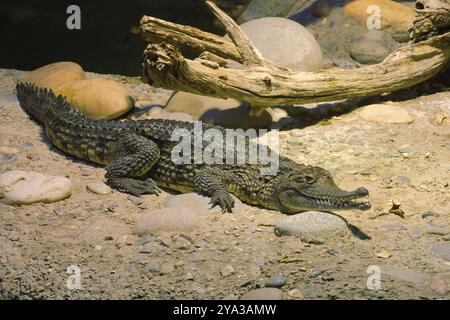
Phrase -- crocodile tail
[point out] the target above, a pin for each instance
(40, 102)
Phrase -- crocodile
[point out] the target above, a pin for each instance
(137, 156)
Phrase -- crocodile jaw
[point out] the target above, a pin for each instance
(294, 200)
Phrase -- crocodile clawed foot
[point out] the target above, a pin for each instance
(136, 187)
(224, 200)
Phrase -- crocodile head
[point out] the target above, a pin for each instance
(301, 188)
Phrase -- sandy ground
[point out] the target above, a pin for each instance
(39, 242)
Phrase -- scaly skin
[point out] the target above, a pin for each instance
(137, 155)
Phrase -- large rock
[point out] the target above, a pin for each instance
(228, 113)
(384, 113)
(55, 74)
(97, 98)
(270, 8)
(371, 48)
(285, 42)
(396, 18)
(166, 219)
(23, 187)
(313, 226)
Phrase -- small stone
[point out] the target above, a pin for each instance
(132, 268)
(143, 240)
(227, 270)
(384, 254)
(439, 286)
(315, 272)
(166, 219)
(438, 230)
(441, 250)
(312, 226)
(189, 276)
(152, 267)
(276, 281)
(403, 180)
(7, 157)
(26, 187)
(99, 188)
(166, 268)
(295, 293)
(384, 113)
(415, 233)
(196, 257)
(263, 294)
(181, 243)
(98, 247)
(405, 149)
(108, 238)
(355, 142)
(429, 213)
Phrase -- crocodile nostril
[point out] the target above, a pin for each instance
(420, 5)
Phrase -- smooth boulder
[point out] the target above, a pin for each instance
(395, 18)
(25, 187)
(285, 42)
(228, 113)
(98, 98)
(55, 74)
(371, 48)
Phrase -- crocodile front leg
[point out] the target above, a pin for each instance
(134, 155)
(208, 182)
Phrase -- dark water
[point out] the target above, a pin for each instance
(34, 32)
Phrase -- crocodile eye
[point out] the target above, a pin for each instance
(290, 192)
(309, 179)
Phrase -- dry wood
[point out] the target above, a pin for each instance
(262, 84)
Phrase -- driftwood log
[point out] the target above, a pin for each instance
(263, 84)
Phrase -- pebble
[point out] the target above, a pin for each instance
(99, 188)
(315, 272)
(437, 230)
(429, 213)
(295, 293)
(320, 9)
(439, 286)
(166, 268)
(312, 226)
(406, 149)
(196, 257)
(166, 219)
(371, 48)
(25, 187)
(263, 294)
(180, 242)
(7, 157)
(227, 270)
(415, 233)
(403, 180)
(132, 268)
(152, 267)
(276, 281)
(384, 254)
(143, 240)
(441, 250)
